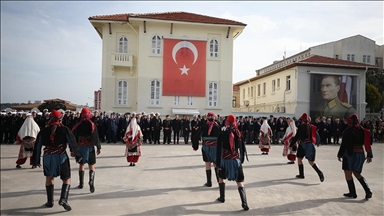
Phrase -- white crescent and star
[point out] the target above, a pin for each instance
(185, 44)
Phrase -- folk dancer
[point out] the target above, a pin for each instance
(351, 154)
(132, 138)
(55, 159)
(209, 133)
(87, 138)
(26, 137)
(265, 137)
(230, 156)
(306, 135)
(290, 132)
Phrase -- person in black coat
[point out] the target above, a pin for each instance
(272, 124)
(147, 129)
(176, 128)
(167, 130)
(186, 126)
(336, 130)
(156, 125)
(256, 130)
(124, 122)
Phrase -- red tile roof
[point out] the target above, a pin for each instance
(173, 16)
(326, 61)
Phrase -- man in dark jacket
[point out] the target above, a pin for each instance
(176, 127)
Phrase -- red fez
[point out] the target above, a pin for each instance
(85, 111)
(230, 119)
(353, 118)
(210, 114)
(56, 114)
(304, 117)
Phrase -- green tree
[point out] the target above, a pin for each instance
(373, 97)
(52, 105)
(376, 78)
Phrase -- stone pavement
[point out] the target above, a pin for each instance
(168, 180)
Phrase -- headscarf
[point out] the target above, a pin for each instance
(85, 116)
(29, 128)
(265, 129)
(210, 123)
(55, 121)
(291, 130)
(230, 122)
(133, 132)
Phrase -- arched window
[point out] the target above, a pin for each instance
(212, 94)
(123, 44)
(122, 93)
(156, 45)
(155, 92)
(214, 48)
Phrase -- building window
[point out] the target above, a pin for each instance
(252, 91)
(364, 58)
(336, 56)
(176, 101)
(368, 59)
(353, 57)
(249, 91)
(155, 93)
(348, 57)
(243, 93)
(288, 83)
(214, 48)
(233, 102)
(273, 85)
(258, 90)
(156, 45)
(122, 93)
(264, 88)
(190, 101)
(213, 94)
(278, 83)
(123, 44)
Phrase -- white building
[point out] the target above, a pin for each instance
(292, 85)
(139, 49)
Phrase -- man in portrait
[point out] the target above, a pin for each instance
(332, 106)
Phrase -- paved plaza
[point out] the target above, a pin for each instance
(168, 180)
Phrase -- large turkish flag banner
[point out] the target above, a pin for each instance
(184, 66)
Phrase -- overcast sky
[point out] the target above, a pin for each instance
(50, 49)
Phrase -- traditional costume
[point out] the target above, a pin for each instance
(55, 137)
(209, 133)
(306, 135)
(26, 137)
(290, 132)
(132, 138)
(265, 137)
(230, 156)
(87, 137)
(351, 153)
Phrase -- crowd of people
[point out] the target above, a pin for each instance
(223, 142)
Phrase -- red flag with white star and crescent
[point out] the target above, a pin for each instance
(184, 67)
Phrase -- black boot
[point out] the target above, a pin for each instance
(368, 192)
(209, 178)
(81, 179)
(217, 174)
(64, 197)
(92, 180)
(49, 190)
(352, 189)
(321, 175)
(301, 171)
(222, 192)
(243, 198)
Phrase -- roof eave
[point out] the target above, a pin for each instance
(185, 22)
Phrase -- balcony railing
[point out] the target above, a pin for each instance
(121, 59)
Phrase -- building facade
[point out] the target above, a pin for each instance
(298, 87)
(293, 85)
(171, 63)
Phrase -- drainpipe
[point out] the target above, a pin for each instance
(254, 95)
(360, 102)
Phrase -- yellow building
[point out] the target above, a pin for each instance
(171, 63)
